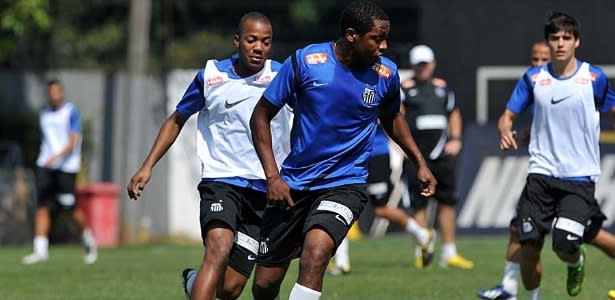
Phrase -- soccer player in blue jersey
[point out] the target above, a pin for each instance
(604, 240)
(232, 187)
(58, 163)
(338, 91)
(567, 96)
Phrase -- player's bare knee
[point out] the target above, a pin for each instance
(315, 256)
(232, 290)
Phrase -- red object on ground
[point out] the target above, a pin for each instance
(99, 202)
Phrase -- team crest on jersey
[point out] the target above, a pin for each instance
(581, 80)
(382, 70)
(316, 58)
(214, 80)
(369, 95)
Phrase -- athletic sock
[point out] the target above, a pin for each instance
(534, 294)
(190, 282)
(88, 238)
(300, 292)
(448, 250)
(421, 234)
(512, 271)
(342, 257)
(41, 245)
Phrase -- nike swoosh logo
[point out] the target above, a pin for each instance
(571, 237)
(250, 257)
(316, 84)
(228, 105)
(553, 101)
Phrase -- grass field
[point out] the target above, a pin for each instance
(381, 269)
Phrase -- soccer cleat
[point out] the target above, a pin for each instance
(612, 294)
(185, 276)
(576, 276)
(338, 271)
(91, 255)
(34, 258)
(496, 293)
(457, 261)
(427, 251)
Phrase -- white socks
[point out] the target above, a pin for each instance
(510, 283)
(190, 282)
(421, 234)
(88, 239)
(448, 250)
(534, 294)
(300, 292)
(342, 257)
(41, 245)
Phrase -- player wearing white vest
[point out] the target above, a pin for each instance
(567, 96)
(58, 163)
(233, 187)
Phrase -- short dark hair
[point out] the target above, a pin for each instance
(253, 15)
(53, 81)
(360, 15)
(560, 21)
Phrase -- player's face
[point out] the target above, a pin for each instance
(372, 44)
(540, 55)
(562, 45)
(254, 43)
(55, 94)
(424, 70)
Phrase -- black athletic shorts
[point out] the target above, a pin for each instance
(379, 179)
(545, 198)
(443, 170)
(56, 186)
(240, 209)
(332, 210)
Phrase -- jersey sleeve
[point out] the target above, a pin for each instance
(604, 97)
(193, 100)
(281, 89)
(522, 96)
(392, 99)
(75, 120)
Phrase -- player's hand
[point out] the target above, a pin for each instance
(427, 180)
(52, 161)
(278, 193)
(137, 182)
(507, 140)
(452, 147)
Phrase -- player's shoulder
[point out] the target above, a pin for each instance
(595, 72)
(315, 54)
(532, 73)
(224, 65)
(385, 67)
(439, 82)
(275, 65)
(408, 83)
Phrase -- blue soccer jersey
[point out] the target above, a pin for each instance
(566, 122)
(336, 113)
(381, 143)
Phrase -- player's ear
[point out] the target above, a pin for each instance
(236, 40)
(350, 34)
(577, 43)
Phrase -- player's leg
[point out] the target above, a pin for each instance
(45, 194)
(536, 210)
(280, 242)
(342, 259)
(575, 208)
(605, 241)
(327, 223)
(417, 225)
(218, 217)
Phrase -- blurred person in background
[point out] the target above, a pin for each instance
(436, 125)
(58, 163)
(604, 240)
(565, 97)
(338, 90)
(232, 188)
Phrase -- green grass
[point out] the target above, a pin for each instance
(381, 269)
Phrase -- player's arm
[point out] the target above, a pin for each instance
(507, 135)
(521, 98)
(455, 126)
(191, 103)
(396, 127)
